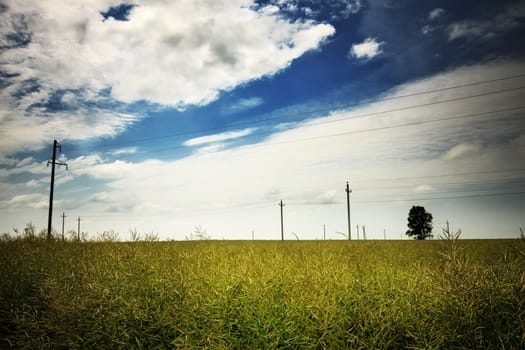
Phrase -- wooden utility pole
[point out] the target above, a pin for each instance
(281, 204)
(53, 162)
(63, 218)
(324, 232)
(348, 191)
(78, 232)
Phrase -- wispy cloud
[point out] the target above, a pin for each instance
(435, 13)
(499, 24)
(423, 189)
(225, 136)
(462, 150)
(32, 200)
(243, 104)
(127, 150)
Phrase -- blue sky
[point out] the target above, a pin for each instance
(197, 113)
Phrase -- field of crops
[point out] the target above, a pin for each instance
(263, 295)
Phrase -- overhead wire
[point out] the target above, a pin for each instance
(385, 128)
(353, 132)
(421, 122)
(314, 111)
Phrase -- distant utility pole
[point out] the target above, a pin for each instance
(281, 204)
(324, 232)
(384, 234)
(78, 232)
(364, 233)
(63, 218)
(348, 191)
(53, 162)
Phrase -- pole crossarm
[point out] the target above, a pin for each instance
(57, 163)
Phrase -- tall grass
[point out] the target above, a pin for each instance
(240, 295)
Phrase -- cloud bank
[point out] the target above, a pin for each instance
(75, 65)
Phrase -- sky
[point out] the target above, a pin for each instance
(173, 115)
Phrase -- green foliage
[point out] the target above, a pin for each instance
(419, 223)
(261, 295)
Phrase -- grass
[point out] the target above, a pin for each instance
(262, 295)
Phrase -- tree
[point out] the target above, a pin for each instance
(419, 223)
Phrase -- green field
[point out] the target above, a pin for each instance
(263, 295)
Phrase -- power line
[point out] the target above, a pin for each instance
(446, 197)
(366, 189)
(314, 111)
(447, 175)
(372, 114)
(266, 204)
(490, 182)
(385, 127)
(470, 115)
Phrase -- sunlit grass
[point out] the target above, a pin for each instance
(245, 295)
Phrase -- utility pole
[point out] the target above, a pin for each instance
(348, 191)
(53, 162)
(63, 218)
(78, 232)
(281, 204)
(364, 233)
(324, 232)
(384, 234)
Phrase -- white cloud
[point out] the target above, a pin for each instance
(25, 161)
(32, 200)
(467, 29)
(172, 53)
(270, 10)
(39, 128)
(225, 136)
(427, 29)
(33, 183)
(215, 147)
(435, 13)
(368, 49)
(101, 197)
(462, 150)
(349, 8)
(423, 189)
(169, 53)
